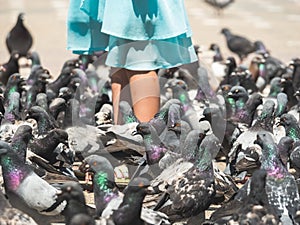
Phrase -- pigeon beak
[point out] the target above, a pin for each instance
(27, 116)
(230, 94)
(2, 68)
(45, 76)
(278, 123)
(297, 93)
(66, 143)
(201, 118)
(135, 132)
(59, 192)
(150, 191)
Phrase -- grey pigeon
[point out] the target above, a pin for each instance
(238, 44)
(104, 185)
(72, 193)
(45, 122)
(26, 190)
(253, 209)
(10, 67)
(281, 186)
(193, 180)
(19, 38)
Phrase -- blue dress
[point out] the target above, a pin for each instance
(137, 34)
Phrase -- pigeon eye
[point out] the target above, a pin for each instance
(95, 163)
(69, 189)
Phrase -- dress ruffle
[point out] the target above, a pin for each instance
(138, 35)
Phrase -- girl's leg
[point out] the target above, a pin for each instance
(145, 94)
(119, 80)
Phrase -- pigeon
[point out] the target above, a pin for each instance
(45, 122)
(12, 112)
(19, 38)
(218, 65)
(107, 196)
(127, 113)
(42, 101)
(35, 58)
(245, 106)
(259, 74)
(130, 210)
(253, 209)
(274, 66)
(275, 87)
(57, 106)
(15, 84)
(205, 88)
(154, 147)
(104, 186)
(37, 72)
(26, 190)
(180, 91)
(62, 80)
(244, 154)
(159, 121)
(294, 159)
(46, 147)
(20, 140)
(38, 86)
(10, 67)
(295, 64)
(281, 187)
(285, 147)
(287, 88)
(238, 44)
(291, 126)
(281, 105)
(72, 193)
(10, 215)
(192, 188)
(231, 66)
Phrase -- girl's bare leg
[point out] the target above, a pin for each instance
(119, 82)
(145, 94)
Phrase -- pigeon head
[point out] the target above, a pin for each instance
(225, 31)
(176, 127)
(142, 129)
(71, 63)
(16, 80)
(65, 93)
(214, 46)
(264, 139)
(287, 120)
(60, 135)
(23, 131)
(71, 190)
(98, 164)
(21, 16)
(140, 186)
(237, 92)
(35, 112)
(205, 127)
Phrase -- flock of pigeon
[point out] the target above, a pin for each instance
(58, 142)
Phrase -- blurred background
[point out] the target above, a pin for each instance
(275, 22)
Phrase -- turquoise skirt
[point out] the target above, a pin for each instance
(137, 34)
